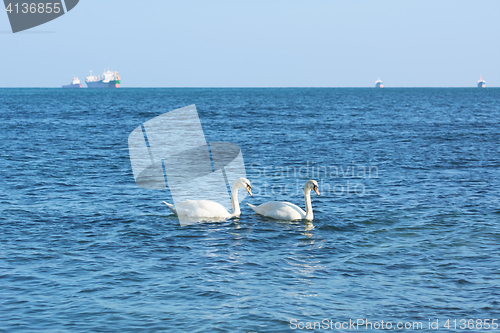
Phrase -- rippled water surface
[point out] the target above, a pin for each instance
(412, 235)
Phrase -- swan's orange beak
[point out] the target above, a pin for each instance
(316, 190)
(249, 191)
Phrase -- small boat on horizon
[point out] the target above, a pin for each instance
(379, 84)
(74, 84)
(481, 83)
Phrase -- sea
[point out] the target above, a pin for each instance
(405, 232)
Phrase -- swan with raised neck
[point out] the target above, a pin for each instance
(282, 210)
(209, 208)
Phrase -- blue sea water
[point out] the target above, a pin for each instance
(413, 234)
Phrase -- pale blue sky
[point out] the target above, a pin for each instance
(261, 43)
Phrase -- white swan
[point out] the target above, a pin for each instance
(282, 210)
(211, 209)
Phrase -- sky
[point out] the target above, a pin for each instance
(260, 43)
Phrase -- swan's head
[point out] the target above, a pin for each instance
(312, 185)
(245, 183)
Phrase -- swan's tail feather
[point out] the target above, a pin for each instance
(255, 208)
(171, 207)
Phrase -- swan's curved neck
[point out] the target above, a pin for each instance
(309, 209)
(234, 200)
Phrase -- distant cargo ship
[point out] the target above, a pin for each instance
(107, 80)
(74, 84)
(379, 84)
(481, 83)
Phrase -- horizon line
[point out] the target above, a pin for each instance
(262, 87)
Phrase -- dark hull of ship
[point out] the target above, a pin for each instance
(101, 84)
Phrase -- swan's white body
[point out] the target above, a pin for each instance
(211, 209)
(282, 210)
(199, 208)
